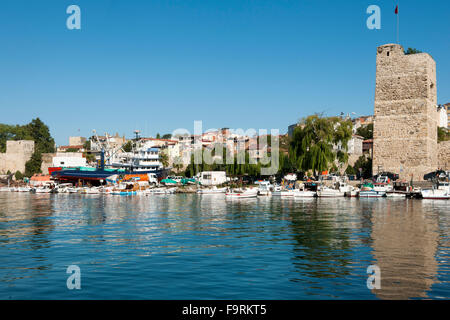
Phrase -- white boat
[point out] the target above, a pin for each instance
(72, 190)
(213, 190)
(265, 189)
(304, 193)
(87, 190)
(41, 190)
(393, 194)
(5, 189)
(436, 194)
(24, 189)
(371, 194)
(240, 193)
(281, 192)
(354, 192)
(326, 192)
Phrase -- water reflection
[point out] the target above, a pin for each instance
(405, 239)
(271, 248)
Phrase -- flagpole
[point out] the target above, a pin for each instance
(398, 25)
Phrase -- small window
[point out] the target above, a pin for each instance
(387, 53)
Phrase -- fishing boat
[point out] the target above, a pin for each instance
(327, 192)
(354, 192)
(44, 189)
(241, 193)
(396, 194)
(24, 189)
(435, 194)
(367, 191)
(124, 192)
(265, 188)
(279, 191)
(213, 190)
(441, 191)
(304, 194)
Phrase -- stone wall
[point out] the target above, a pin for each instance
(405, 123)
(16, 155)
(77, 141)
(444, 155)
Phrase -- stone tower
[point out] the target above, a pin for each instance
(405, 123)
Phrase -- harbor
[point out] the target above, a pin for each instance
(225, 154)
(206, 247)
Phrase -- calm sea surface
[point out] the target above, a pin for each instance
(206, 247)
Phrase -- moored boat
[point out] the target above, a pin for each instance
(282, 192)
(241, 193)
(213, 190)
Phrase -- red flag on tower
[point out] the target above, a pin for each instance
(396, 9)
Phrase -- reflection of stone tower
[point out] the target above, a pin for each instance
(405, 239)
(405, 127)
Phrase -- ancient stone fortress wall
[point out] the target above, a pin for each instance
(444, 155)
(405, 124)
(17, 154)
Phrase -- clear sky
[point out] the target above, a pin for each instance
(160, 65)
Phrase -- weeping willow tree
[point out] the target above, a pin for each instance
(313, 144)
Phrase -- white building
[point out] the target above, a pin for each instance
(442, 117)
(355, 145)
(75, 159)
(211, 178)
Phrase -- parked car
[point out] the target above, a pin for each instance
(392, 176)
(435, 174)
(352, 177)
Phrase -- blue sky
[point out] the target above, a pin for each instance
(160, 65)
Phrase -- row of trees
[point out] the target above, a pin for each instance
(37, 131)
(318, 144)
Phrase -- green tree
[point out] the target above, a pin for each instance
(33, 165)
(128, 147)
(18, 175)
(365, 164)
(365, 131)
(164, 158)
(158, 136)
(312, 145)
(167, 136)
(350, 170)
(412, 51)
(443, 134)
(87, 145)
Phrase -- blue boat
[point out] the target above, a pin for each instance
(101, 173)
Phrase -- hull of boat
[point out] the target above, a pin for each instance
(212, 191)
(371, 194)
(283, 193)
(435, 194)
(241, 195)
(328, 194)
(304, 194)
(95, 175)
(395, 195)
